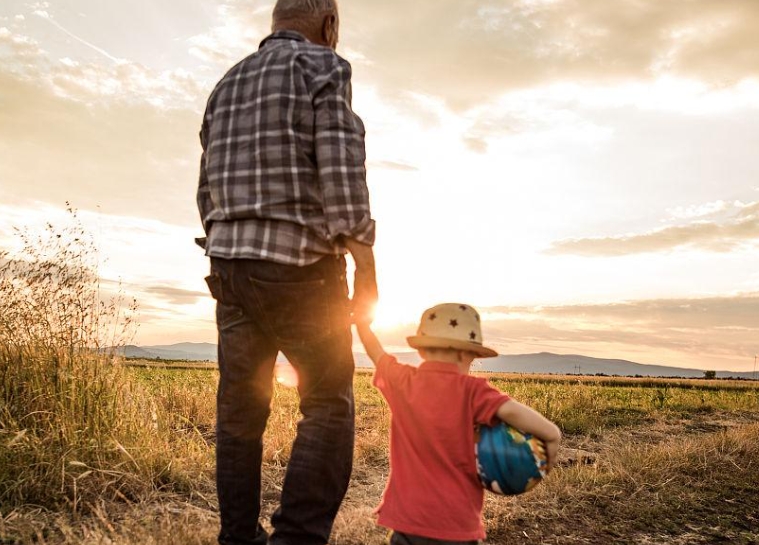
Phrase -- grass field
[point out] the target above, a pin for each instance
(126, 457)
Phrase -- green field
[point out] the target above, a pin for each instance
(126, 456)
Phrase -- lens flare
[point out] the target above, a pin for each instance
(286, 375)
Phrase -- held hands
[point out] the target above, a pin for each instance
(364, 296)
(364, 282)
(363, 303)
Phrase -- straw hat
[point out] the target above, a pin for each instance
(451, 325)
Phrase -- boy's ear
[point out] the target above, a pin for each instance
(425, 354)
(465, 356)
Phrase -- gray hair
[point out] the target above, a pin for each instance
(296, 9)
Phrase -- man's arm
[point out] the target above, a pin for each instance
(370, 341)
(204, 191)
(340, 161)
(364, 281)
(341, 156)
(530, 421)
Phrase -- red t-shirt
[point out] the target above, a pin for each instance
(433, 489)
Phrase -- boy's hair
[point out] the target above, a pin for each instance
(437, 350)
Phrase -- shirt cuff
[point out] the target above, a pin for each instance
(363, 231)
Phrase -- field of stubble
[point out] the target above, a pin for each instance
(95, 452)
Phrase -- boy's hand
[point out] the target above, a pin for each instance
(530, 421)
(552, 453)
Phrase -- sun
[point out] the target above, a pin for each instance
(392, 312)
(400, 303)
(286, 375)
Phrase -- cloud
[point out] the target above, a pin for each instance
(466, 51)
(707, 333)
(175, 296)
(115, 135)
(117, 79)
(106, 133)
(47, 17)
(392, 165)
(535, 118)
(735, 311)
(242, 26)
(698, 211)
(127, 158)
(476, 144)
(701, 328)
(22, 48)
(125, 82)
(716, 236)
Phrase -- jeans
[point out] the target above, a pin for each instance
(263, 308)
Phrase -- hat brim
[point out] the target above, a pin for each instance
(426, 341)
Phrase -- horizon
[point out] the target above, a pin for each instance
(409, 351)
(585, 176)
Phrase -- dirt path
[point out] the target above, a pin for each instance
(676, 481)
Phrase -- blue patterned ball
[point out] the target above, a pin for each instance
(508, 461)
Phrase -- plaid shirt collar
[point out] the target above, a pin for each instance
(283, 35)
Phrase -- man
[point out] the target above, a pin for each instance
(282, 197)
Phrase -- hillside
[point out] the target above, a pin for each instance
(179, 351)
(543, 362)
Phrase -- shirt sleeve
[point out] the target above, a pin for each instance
(204, 193)
(386, 372)
(341, 156)
(485, 401)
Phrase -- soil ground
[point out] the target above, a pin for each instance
(713, 500)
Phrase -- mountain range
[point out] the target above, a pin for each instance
(543, 362)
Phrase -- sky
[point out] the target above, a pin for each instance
(584, 172)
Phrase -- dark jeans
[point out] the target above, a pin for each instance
(263, 308)
(399, 538)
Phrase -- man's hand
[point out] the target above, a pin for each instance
(364, 281)
(364, 295)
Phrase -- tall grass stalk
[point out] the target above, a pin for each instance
(69, 418)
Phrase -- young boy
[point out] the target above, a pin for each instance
(433, 494)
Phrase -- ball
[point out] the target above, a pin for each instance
(509, 461)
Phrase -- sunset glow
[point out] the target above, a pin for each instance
(590, 187)
(285, 374)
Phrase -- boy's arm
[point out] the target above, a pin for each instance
(370, 341)
(531, 421)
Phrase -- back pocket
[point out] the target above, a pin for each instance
(297, 312)
(214, 282)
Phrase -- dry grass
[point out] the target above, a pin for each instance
(696, 488)
(685, 476)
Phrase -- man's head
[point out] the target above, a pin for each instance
(317, 20)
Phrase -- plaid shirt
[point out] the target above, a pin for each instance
(282, 175)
